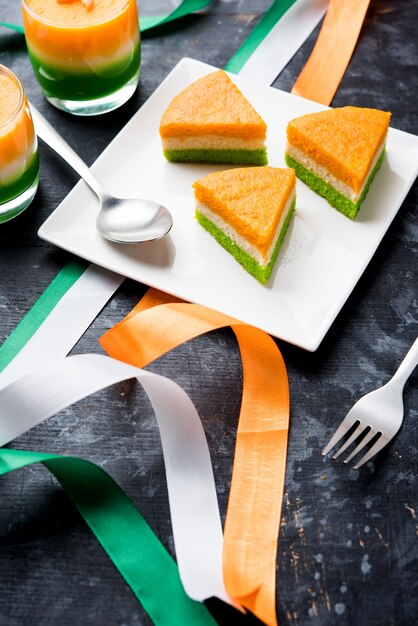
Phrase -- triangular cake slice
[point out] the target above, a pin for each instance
(338, 152)
(248, 211)
(212, 122)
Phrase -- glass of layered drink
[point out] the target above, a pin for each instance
(85, 53)
(19, 162)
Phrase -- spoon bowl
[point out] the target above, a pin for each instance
(130, 220)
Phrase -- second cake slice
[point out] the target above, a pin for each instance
(212, 122)
(248, 211)
(338, 152)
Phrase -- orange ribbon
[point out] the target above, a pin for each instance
(161, 322)
(337, 39)
(158, 324)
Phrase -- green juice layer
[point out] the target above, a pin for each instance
(84, 85)
(235, 157)
(261, 273)
(14, 189)
(334, 197)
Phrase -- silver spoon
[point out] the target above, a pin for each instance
(122, 220)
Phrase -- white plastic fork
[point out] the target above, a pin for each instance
(378, 414)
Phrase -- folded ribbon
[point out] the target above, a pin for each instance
(337, 39)
(123, 533)
(121, 530)
(158, 324)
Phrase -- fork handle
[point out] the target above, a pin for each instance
(407, 366)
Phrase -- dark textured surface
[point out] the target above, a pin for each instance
(348, 544)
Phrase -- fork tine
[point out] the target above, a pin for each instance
(380, 443)
(372, 433)
(343, 428)
(357, 432)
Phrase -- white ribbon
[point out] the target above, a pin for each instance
(196, 522)
(66, 323)
(283, 41)
(40, 394)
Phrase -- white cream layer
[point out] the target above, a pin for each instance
(241, 241)
(212, 142)
(99, 64)
(11, 172)
(320, 171)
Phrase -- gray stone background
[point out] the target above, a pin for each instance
(348, 543)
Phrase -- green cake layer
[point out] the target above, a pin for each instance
(327, 191)
(13, 189)
(76, 85)
(261, 273)
(236, 157)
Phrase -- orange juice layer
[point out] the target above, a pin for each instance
(17, 139)
(344, 141)
(75, 13)
(72, 37)
(9, 98)
(266, 191)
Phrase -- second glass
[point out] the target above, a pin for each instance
(19, 162)
(85, 55)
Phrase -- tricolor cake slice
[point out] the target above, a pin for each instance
(248, 211)
(338, 152)
(212, 122)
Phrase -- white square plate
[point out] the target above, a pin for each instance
(322, 257)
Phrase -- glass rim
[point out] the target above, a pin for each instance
(5, 70)
(47, 22)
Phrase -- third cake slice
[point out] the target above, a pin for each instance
(212, 122)
(248, 211)
(338, 152)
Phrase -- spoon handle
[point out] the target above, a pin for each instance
(45, 131)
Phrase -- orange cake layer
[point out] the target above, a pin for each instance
(76, 13)
(69, 35)
(250, 199)
(9, 98)
(344, 141)
(213, 105)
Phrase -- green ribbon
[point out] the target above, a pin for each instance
(123, 533)
(40, 311)
(147, 23)
(264, 26)
(185, 8)
(17, 27)
(121, 530)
